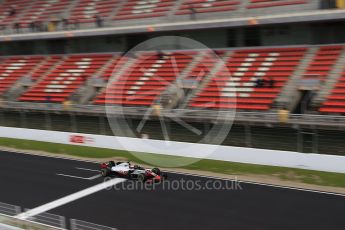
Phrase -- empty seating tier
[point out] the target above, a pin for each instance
(235, 86)
(335, 103)
(85, 11)
(111, 68)
(66, 78)
(146, 79)
(10, 9)
(134, 9)
(323, 62)
(207, 6)
(251, 79)
(14, 68)
(274, 3)
(44, 10)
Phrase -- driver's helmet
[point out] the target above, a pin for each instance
(136, 166)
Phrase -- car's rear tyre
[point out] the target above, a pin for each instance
(105, 172)
(156, 171)
(141, 178)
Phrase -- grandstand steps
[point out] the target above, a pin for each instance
(175, 8)
(116, 11)
(130, 62)
(17, 89)
(69, 9)
(87, 92)
(171, 97)
(83, 94)
(243, 6)
(332, 79)
(191, 65)
(100, 71)
(114, 78)
(36, 68)
(51, 69)
(21, 86)
(290, 94)
(26, 82)
(206, 80)
(24, 89)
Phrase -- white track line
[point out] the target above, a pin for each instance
(71, 176)
(179, 173)
(78, 177)
(95, 177)
(85, 169)
(69, 198)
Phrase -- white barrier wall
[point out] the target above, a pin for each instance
(319, 162)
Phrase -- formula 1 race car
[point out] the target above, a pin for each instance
(133, 172)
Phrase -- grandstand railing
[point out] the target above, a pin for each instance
(302, 133)
(210, 115)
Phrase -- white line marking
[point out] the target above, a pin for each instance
(179, 173)
(92, 170)
(95, 177)
(78, 177)
(69, 198)
(71, 176)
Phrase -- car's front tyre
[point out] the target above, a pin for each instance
(141, 178)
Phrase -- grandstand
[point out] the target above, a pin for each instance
(115, 12)
(59, 77)
(270, 63)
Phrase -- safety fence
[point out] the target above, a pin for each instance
(43, 221)
(50, 219)
(83, 225)
(302, 134)
(9, 209)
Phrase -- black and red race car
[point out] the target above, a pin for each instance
(133, 172)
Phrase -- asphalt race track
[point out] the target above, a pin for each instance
(32, 181)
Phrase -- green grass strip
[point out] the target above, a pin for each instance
(223, 167)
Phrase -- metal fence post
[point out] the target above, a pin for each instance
(2, 118)
(207, 128)
(73, 224)
(299, 140)
(22, 119)
(63, 222)
(47, 121)
(248, 135)
(101, 125)
(73, 122)
(315, 141)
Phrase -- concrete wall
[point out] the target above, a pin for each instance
(318, 162)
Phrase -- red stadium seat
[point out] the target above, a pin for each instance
(14, 68)
(65, 78)
(146, 79)
(234, 87)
